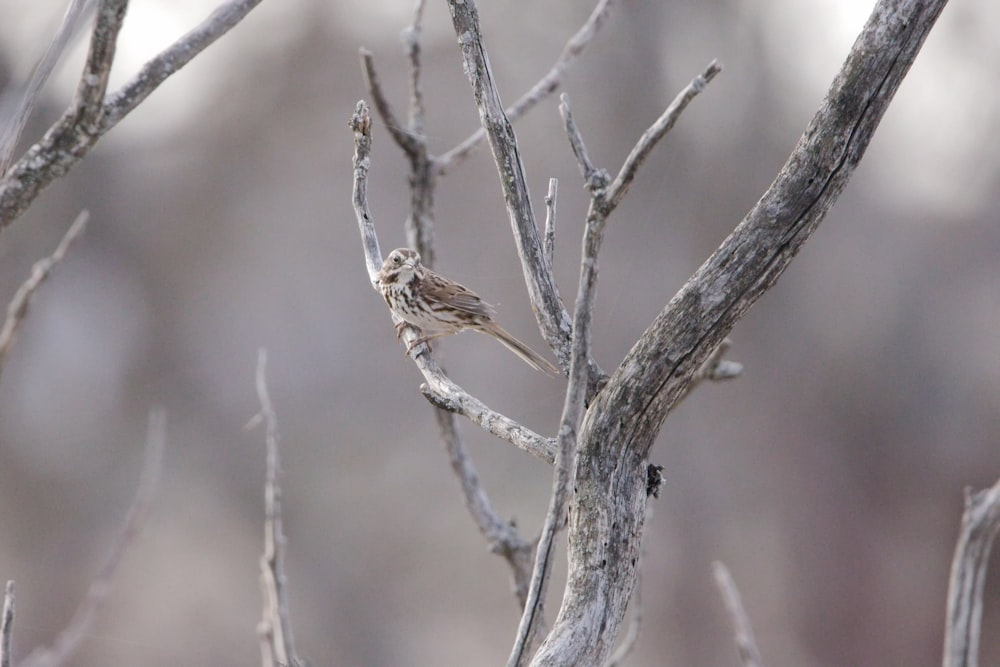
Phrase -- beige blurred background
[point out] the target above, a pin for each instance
(830, 478)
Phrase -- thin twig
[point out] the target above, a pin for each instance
(656, 131)
(554, 321)
(595, 180)
(541, 90)
(443, 393)
(980, 526)
(277, 645)
(420, 221)
(224, 18)
(549, 246)
(17, 310)
(631, 637)
(93, 82)
(399, 133)
(7, 624)
(73, 135)
(411, 37)
(716, 368)
(79, 626)
(361, 125)
(569, 425)
(20, 100)
(745, 642)
(501, 535)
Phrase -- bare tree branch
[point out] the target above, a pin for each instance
(361, 125)
(93, 82)
(553, 319)
(445, 394)
(17, 103)
(502, 535)
(411, 36)
(595, 180)
(80, 625)
(277, 644)
(980, 526)
(624, 419)
(7, 624)
(406, 140)
(576, 395)
(549, 247)
(412, 141)
(635, 610)
(17, 310)
(91, 115)
(745, 642)
(439, 389)
(547, 85)
(656, 131)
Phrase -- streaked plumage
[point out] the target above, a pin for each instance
(439, 307)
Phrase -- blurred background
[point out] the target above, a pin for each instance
(830, 478)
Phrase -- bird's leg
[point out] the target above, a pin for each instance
(402, 324)
(425, 339)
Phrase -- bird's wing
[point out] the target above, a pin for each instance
(457, 296)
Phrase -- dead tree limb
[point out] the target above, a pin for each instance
(606, 524)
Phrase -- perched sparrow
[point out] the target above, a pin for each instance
(439, 307)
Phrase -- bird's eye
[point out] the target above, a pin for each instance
(396, 259)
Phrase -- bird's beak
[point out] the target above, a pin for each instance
(410, 263)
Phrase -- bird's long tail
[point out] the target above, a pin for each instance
(530, 357)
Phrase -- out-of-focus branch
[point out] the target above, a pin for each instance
(411, 37)
(439, 389)
(443, 393)
(17, 102)
(7, 624)
(980, 526)
(79, 626)
(411, 140)
(502, 535)
(745, 642)
(545, 86)
(277, 644)
(92, 114)
(17, 310)
(93, 82)
(655, 132)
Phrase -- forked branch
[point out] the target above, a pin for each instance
(17, 310)
(92, 113)
(79, 626)
(746, 644)
(277, 643)
(439, 389)
(622, 422)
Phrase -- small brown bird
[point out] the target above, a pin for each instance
(439, 307)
